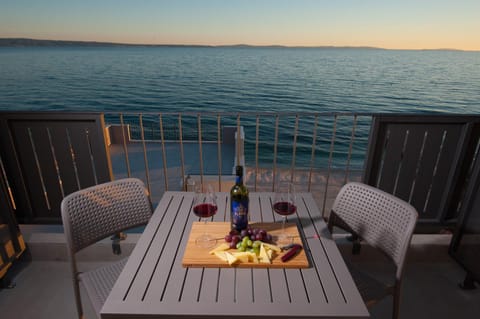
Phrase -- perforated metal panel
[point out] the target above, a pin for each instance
(49, 155)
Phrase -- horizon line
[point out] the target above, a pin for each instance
(99, 43)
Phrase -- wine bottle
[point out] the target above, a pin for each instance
(239, 202)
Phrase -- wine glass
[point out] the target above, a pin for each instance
(284, 205)
(205, 206)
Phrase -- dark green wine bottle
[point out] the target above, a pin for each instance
(239, 202)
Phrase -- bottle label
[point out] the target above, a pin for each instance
(240, 214)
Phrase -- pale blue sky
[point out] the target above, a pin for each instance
(407, 24)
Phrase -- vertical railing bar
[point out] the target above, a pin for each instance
(330, 157)
(219, 153)
(275, 145)
(200, 150)
(164, 155)
(312, 158)
(294, 151)
(90, 153)
(434, 174)
(182, 157)
(257, 129)
(400, 165)
(125, 150)
(350, 148)
(39, 170)
(72, 155)
(55, 162)
(10, 193)
(417, 169)
(382, 158)
(142, 136)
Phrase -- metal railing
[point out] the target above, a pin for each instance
(319, 152)
(426, 160)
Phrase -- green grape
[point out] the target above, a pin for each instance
(256, 244)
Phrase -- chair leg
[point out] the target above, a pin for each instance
(396, 299)
(78, 301)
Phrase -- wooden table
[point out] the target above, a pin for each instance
(154, 284)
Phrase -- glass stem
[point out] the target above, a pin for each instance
(205, 228)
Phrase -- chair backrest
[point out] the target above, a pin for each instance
(94, 213)
(381, 219)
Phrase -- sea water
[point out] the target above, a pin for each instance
(239, 79)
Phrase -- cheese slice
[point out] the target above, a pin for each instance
(272, 247)
(221, 247)
(231, 259)
(221, 255)
(263, 256)
(243, 257)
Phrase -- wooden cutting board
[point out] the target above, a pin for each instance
(195, 256)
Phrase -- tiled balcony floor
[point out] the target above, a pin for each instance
(44, 291)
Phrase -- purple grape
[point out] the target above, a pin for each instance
(236, 239)
(255, 231)
(252, 237)
(228, 238)
(263, 232)
(259, 237)
(233, 232)
(233, 245)
(243, 233)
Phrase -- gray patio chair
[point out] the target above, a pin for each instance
(95, 213)
(384, 222)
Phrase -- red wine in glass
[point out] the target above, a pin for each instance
(205, 206)
(205, 210)
(284, 205)
(284, 208)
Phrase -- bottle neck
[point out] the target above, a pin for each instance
(239, 180)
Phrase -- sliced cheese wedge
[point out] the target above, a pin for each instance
(263, 256)
(221, 247)
(272, 247)
(231, 259)
(221, 255)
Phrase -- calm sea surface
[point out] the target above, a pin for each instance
(139, 79)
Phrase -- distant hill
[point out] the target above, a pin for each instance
(25, 42)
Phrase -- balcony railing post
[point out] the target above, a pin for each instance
(294, 150)
(312, 157)
(182, 156)
(145, 160)
(164, 155)
(330, 158)
(275, 149)
(125, 151)
(200, 150)
(219, 153)
(350, 147)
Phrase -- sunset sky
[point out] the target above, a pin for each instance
(406, 24)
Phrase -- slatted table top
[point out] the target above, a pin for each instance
(154, 284)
